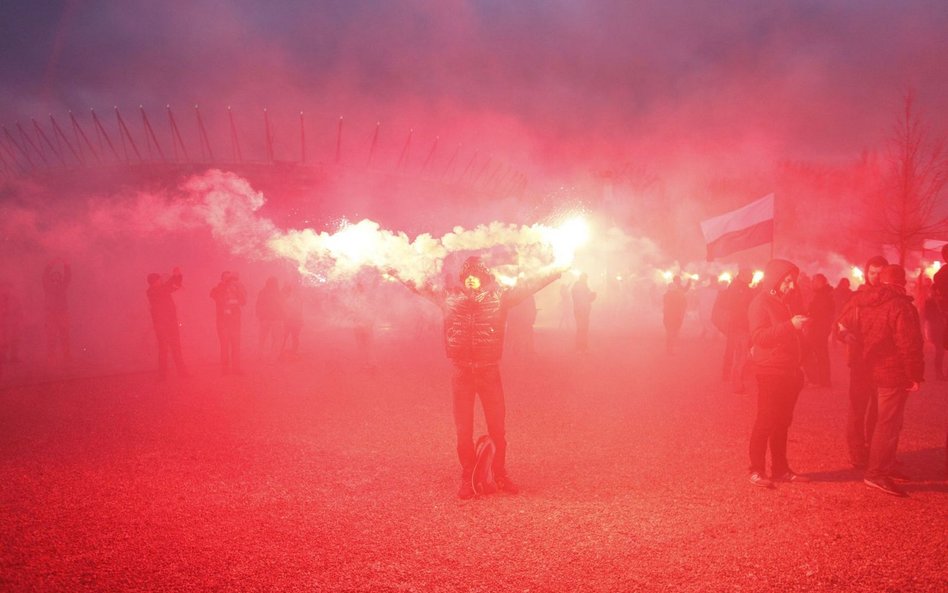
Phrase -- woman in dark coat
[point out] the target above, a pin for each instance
(776, 353)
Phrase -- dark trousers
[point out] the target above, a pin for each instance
(817, 363)
(672, 328)
(885, 439)
(582, 331)
(169, 340)
(776, 398)
(735, 358)
(484, 382)
(228, 334)
(291, 336)
(861, 420)
(57, 334)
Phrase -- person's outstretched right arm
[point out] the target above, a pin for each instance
(426, 291)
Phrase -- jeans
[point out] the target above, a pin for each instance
(863, 409)
(776, 397)
(885, 440)
(467, 383)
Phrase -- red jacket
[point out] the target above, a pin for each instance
(886, 325)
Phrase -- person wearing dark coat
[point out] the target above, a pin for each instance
(940, 298)
(674, 306)
(292, 320)
(821, 311)
(730, 316)
(776, 352)
(164, 319)
(475, 317)
(520, 324)
(940, 292)
(269, 311)
(56, 279)
(890, 337)
(582, 298)
(229, 296)
(842, 293)
(863, 404)
(11, 320)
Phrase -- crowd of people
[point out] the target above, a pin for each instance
(778, 330)
(781, 329)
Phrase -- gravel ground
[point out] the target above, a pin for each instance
(317, 476)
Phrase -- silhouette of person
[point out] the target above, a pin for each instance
(582, 298)
(475, 317)
(674, 305)
(56, 279)
(292, 320)
(229, 296)
(269, 310)
(164, 318)
(10, 320)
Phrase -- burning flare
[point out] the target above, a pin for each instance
(758, 276)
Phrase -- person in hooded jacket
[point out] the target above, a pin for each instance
(475, 317)
(730, 315)
(890, 334)
(863, 407)
(229, 296)
(775, 334)
(821, 311)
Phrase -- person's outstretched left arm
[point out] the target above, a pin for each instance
(515, 295)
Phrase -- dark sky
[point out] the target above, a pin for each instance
(550, 80)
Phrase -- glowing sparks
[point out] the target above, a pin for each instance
(668, 276)
(507, 280)
(354, 243)
(857, 275)
(932, 269)
(229, 205)
(565, 239)
(758, 276)
(725, 277)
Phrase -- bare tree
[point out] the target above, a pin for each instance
(913, 193)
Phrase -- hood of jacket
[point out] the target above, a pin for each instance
(774, 273)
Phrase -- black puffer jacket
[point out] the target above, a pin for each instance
(475, 321)
(775, 344)
(886, 325)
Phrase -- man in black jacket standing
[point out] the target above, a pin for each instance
(863, 403)
(475, 317)
(890, 335)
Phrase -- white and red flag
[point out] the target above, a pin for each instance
(740, 229)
